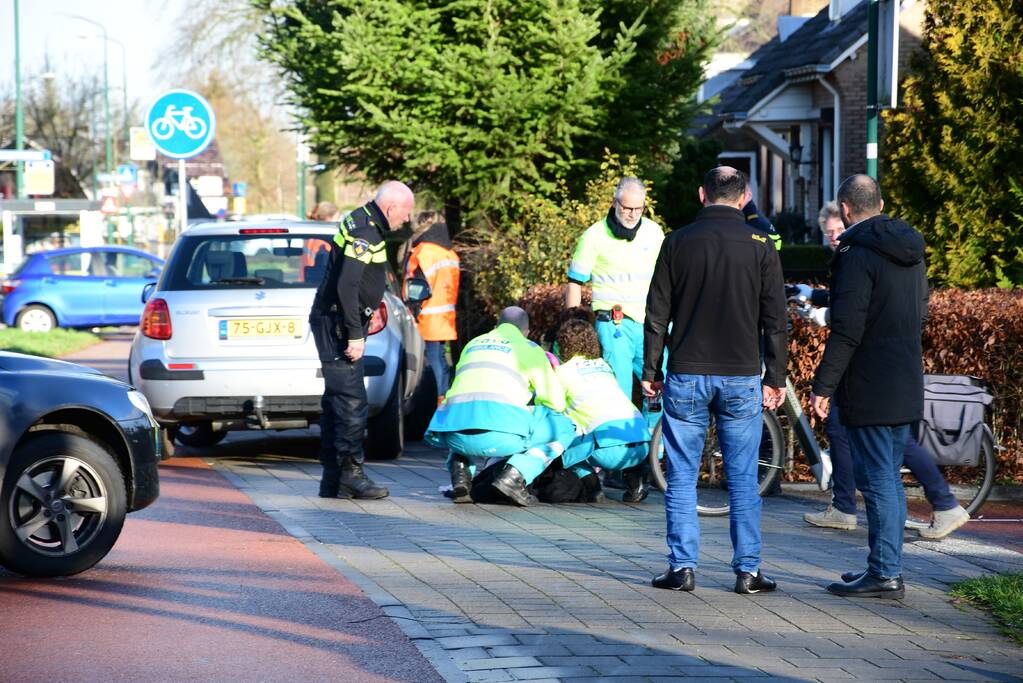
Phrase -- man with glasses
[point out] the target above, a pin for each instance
(617, 256)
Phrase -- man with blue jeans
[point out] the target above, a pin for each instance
(719, 283)
(873, 368)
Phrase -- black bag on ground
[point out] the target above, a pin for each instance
(953, 427)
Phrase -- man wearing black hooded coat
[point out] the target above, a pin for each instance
(873, 368)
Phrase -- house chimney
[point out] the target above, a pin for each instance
(806, 8)
(839, 8)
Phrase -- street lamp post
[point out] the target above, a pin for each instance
(124, 89)
(106, 88)
(19, 115)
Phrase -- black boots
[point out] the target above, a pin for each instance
(636, 489)
(461, 480)
(357, 484)
(348, 481)
(511, 484)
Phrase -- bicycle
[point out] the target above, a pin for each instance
(192, 126)
(712, 485)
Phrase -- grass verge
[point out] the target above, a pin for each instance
(1002, 594)
(53, 344)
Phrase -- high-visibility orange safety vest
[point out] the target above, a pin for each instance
(439, 264)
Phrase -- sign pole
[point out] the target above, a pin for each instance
(182, 196)
(19, 116)
(872, 108)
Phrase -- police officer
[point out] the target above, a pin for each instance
(617, 254)
(505, 402)
(345, 300)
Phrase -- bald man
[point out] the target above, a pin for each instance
(345, 300)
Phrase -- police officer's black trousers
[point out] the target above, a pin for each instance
(345, 410)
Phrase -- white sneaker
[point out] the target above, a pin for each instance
(945, 522)
(831, 519)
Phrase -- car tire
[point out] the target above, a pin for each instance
(35, 318)
(421, 406)
(59, 540)
(199, 435)
(385, 437)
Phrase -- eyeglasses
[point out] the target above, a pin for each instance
(630, 209)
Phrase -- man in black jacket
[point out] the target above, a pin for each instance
(345, 300)
(719, 283)
(873, 368)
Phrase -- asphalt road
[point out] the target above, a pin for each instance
(201, 586)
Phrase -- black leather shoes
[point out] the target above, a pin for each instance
(849, 577)
(355, 482)
(748, 584)
(683, 579)
(461, 480)
(636, 489)
(513, 487)
(868, 586)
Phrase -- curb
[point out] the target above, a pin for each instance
(393, 609)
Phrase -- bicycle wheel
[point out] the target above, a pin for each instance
(711, 484)
(972, 485)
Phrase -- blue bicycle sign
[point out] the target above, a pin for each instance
(181, 123)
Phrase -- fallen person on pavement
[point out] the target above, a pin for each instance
(505, 402)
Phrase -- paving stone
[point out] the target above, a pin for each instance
(562, 592)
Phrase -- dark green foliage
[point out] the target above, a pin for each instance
(677, 194)
(805, 262)
(953, 151)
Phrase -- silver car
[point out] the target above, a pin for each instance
(224, 340)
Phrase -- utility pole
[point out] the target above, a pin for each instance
(19, 114)
(872, 108)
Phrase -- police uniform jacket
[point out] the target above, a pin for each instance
(356, 277)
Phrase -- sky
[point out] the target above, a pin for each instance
(142, 25)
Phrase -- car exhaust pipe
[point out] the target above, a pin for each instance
(258, 403)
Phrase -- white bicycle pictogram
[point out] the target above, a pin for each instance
(192, 126)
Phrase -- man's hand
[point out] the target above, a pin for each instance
(355, 349)
(820, 404)
(651, 389)
(773, 396)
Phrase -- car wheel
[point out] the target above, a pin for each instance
(385, 437)
(62, 505)
(198, 435)
(421, 406)
(35, 318)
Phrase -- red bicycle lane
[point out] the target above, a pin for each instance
(202, 586)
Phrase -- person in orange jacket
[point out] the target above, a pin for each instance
(432, 258)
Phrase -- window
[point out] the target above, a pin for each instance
(120, 264)
(231, 261)
(74, 265)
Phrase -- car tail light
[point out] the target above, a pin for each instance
(263, 231)
(379, 319)
(156, 320)
(10, 285)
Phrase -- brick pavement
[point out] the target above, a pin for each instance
(497, 593)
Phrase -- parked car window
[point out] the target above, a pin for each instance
(121, 264)
(72, 264)
(230, 261)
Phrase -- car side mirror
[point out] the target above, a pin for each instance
(417, 290)
(147, 291)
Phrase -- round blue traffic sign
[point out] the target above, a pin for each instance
(180, 123)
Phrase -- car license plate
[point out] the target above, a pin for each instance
(240, 328)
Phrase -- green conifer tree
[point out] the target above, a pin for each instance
(953, 151)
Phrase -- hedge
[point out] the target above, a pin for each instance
(976, 333)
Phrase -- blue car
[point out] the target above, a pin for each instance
(78, 287)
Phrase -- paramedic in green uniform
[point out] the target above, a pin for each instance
(616, 256)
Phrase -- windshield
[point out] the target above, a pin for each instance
(264, 261)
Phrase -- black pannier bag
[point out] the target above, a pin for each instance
(953, 427)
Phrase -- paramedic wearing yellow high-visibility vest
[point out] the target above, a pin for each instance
(345, 300)
(505, 402)
(617, 256)
(433, 258)
(614, 434)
